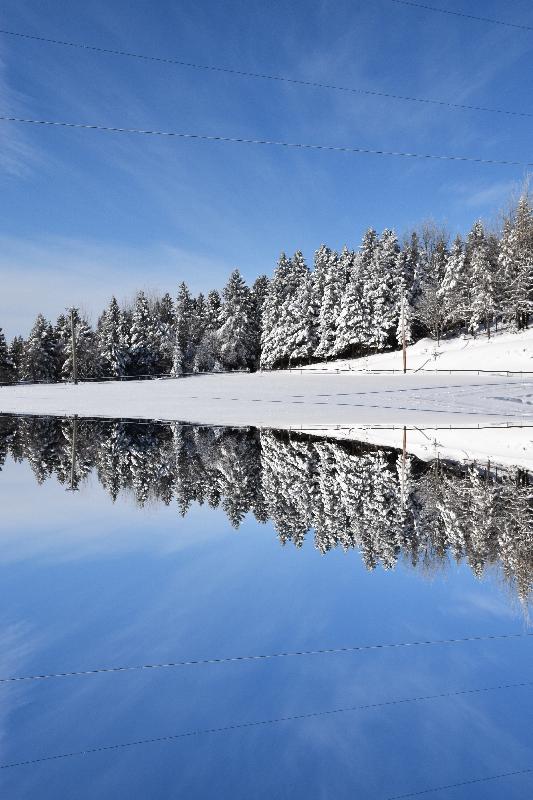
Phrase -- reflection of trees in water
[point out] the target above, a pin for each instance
(349, 494)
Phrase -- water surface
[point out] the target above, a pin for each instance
(168, 542)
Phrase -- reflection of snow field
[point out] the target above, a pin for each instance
(506, 446)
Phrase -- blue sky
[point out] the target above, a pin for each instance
(87, 214)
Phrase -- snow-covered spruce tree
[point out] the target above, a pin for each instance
(16, 354)
(381, 292)
(336, 278)
(111, 345)
(366, 258)
(212, 310)
(39, 362)
(515, 261)
(207, 356)
(199, 320)
(410, 269)
(87, 356)
(455, 291)
(235, 334)
(144, 338)
(299, 314)
(271, 335)
(353, 321)
(288, 314)
(258, 294)
(321, 265)
(7, 369)
(165, 315)
(183, 352)
(483, 303)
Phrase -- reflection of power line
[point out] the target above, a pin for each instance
(239, 73)
(261, 723)
(235, 659)
(270, 142)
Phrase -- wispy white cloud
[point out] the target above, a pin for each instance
(17, 156)
(490, 195)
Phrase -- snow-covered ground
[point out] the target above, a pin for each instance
(502, 352)
(361, 406)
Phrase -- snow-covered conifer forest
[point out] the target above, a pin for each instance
(352, 303)
(355, 496)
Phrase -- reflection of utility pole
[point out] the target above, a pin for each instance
(73, 454)
(403, 471)
(74, 354)
(404, 343)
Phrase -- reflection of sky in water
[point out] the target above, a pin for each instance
(86, 583)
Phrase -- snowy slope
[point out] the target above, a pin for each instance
(504, 351)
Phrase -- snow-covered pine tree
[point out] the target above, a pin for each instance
(212, 310)
(16, 354)
(515, 261)
(183, 352)
(258, 294)
(455, 291)
(483, 304)
(299, 314)
(7, 369)
(366, 258)
(335, 280)
(199, 321)
(112, 348)
(353, 321)
(206, 356)
(165, 314)
(144, 338)
(410, 269)
(321, 267)
(272, 333)
(381, 291)
(235, 334)
(39, 362)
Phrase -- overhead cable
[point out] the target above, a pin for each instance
(239, 73)
(273, 142)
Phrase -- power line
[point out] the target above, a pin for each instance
(261, 657)
(259, 723)
(463, 14)
(273, 142)
(461, 783)
(267, 77)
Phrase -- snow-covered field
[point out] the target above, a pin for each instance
(503, 352)
(361, 406)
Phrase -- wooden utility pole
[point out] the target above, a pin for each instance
(74, 354)
(404, 343)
